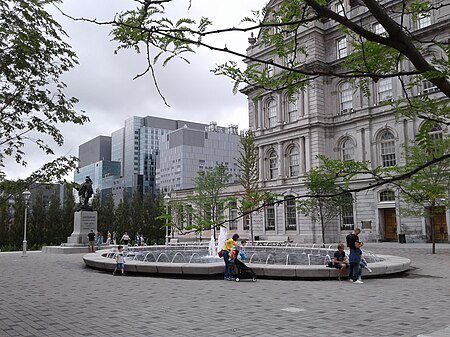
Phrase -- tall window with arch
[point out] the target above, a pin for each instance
(348, 149)
(293, 157)
(271, 113)
(436, 132)
(269, 214)
(273, 164)
(290, 213)
(292, 108)
(387, 149)
(347, 220)
(345, 97)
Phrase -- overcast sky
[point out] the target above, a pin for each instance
(103, 81)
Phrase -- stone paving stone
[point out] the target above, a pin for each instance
(56, 295)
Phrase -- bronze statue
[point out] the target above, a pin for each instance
(86, 191)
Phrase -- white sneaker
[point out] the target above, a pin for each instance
(359, 282)
(350, 280)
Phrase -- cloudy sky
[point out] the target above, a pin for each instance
(103, 81)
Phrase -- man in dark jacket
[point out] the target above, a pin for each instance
(354, 258)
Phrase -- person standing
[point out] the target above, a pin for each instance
(99, 240)
(114, 237)
(120, 261)
(229, 244)
(91, 237)
(125, 239)
(354, 258)
(108, 238)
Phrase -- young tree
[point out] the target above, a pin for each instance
(248, 177)
(427, 190)
(53, 220)
(207, 200)
(153, 228)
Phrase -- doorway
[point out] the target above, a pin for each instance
(440, 225)
(390, 224)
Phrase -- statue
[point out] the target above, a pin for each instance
(85, 192)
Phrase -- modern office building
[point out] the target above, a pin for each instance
(136, 146)
(185, 151)
(94, 150)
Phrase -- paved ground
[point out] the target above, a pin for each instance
(56, 295)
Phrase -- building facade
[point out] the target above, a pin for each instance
(185, 152)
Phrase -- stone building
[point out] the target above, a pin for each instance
(333, 117)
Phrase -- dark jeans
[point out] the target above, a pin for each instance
(354, 260)
(227, 271)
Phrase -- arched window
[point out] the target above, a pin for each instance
(345, 98)
(348, 150)
(387, 195)
(271, 111)
(436, 133)
(292, 108)
(273, 164)
(387, 149)
(293, 158)
(290, 213)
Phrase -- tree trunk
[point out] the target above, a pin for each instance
(251, 227)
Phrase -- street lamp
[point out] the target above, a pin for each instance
(166, 203)
(26, 195)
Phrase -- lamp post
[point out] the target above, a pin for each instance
(26, 195)
(166, 203)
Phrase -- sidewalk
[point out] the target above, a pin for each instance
(56, 295)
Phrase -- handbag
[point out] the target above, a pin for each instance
(219, 253)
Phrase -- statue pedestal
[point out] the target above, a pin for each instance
(83, 222)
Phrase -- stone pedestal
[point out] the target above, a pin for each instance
(83, 222)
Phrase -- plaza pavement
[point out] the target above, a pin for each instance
(56, 295)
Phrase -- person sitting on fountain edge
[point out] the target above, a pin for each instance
(228, 246)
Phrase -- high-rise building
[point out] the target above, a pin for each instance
(186, 151)
(136, 146)
(94, 150)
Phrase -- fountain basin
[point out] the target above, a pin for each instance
(211, 266)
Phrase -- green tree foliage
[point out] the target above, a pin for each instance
(208, 203)
(427, 190)
(153, 225)
(32, 99)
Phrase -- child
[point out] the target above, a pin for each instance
(120, 261)
(242, 255)
(340, 260)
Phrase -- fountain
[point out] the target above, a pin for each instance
(290, 261)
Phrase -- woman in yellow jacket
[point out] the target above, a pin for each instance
(226, 251)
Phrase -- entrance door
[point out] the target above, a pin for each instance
(440, 225)
(390, 224)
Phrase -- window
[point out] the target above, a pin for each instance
(273, 164)
(341, 47)
(290, 213)
(269, 68)
(423, 20)
(436, 133)
(379, 29)
(347, 221)
(271, 113)
(428, 87)
(384, 90)
(387, 147)
(292, 114)
(270, 217)
(293, 161)
(345, 98)
(233, 213)
(339, 9)
(348, 150)
(246, 220)
(387, 196)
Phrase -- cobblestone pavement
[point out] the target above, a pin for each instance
(56, 295)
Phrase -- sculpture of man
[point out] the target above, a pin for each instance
(85, 192)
